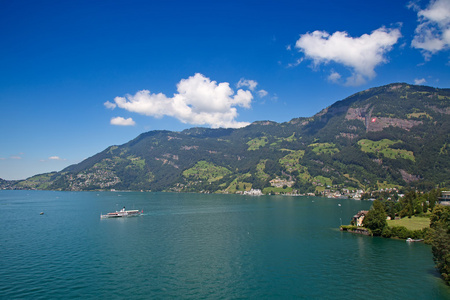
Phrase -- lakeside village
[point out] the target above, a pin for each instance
(278, 187)
(328, 192)
(417, 209)
(341, 194)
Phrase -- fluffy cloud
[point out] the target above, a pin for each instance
(56, 158)
(122, 121)
(198, 101)
(296, 63)
(419, 81)
(262, 93)
(109, 105)
(361, 54)
(334, 77)
(251, 84)
(433, 32)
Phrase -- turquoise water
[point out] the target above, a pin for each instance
(194, 246)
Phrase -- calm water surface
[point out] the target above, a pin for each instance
(201, 247)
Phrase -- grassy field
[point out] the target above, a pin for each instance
(414, 223)
(260, 170)
(383, 148)
(291, 161)
(326, 148)
(257, 143)
(206, 171)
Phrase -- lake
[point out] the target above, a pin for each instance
(196, 246)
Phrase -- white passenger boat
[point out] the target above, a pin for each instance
(123, 213)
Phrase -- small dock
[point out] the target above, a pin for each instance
(355, 229)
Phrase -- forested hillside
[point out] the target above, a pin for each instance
(391, 136)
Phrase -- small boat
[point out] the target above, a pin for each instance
(410, 240)
(123, 213)
(41, 213)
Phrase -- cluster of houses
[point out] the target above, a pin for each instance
(344, 193)
(100, 178)
(253, 192)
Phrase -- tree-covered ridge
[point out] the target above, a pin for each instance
(391, 136)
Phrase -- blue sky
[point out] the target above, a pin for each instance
(79, 76)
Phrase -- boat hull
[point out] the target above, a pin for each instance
(121, 214)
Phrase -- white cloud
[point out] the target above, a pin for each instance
(109, 105)
(251, 84)
(122, 121)
(433, 32)
(361, 54)
(296, 63)
(15, 157)
(199, 101)
(262, 93)
(334, 77)
(419, 81)
(55, 158)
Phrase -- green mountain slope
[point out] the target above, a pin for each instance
(394, 135)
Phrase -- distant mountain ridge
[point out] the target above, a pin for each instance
(393, 135)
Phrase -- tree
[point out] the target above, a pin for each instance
(407, 203)
(440, 217)
(440, 240)
(376, 218)
(440, 247)
(433, 198)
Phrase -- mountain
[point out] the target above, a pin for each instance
(394, 135)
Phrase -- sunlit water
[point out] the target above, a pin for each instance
(201, 247)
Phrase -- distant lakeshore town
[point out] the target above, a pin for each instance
(328, 192)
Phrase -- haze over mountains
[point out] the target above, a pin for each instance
(394, 135)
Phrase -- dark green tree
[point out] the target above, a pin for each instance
(376, 218)
(433, 198)
(440, 217)
(407, 203)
